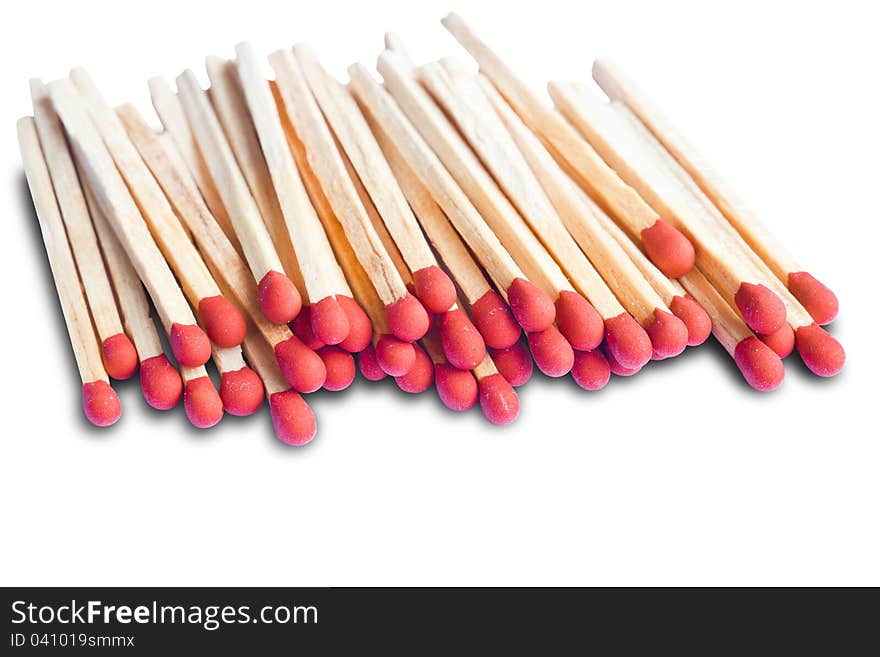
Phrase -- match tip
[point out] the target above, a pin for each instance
(202, 404)
(579, 321)
(160, 382)
(100, 403)
(817, 299)
(420, 376)
(761, 308)
(407, 318)
(301, 327)
(494, 321)
(340, 368)
(667, 248)
(616, 367)
(301, 367)
(781, 341)
(241, 391)
(456, 388)
(394, 356)
(591, 370)
(514, 363)
(292, 418)
(434, 289)
(279, 298)
(119, 356)
(552, 353)
(695, 318)
(463, 345)
(819, 350)
(223, 323)
(530, 306)
(189, 344)
(628, 343)
(669, 335)
(369, 366)
(498, 400)
(360, 329)
(329, 321)
(762, 369)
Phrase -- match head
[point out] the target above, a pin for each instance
(368, 364)
(514, 363)
(292, 418)
(628, 343)
(669, 335)
(463, 345)
(615, 366)
(533, 309)
(819, 350)
(394, 356)
(761, 308)
(552, 353)
(202, 404)
(781, 342)
(434, 289)
(498, 400)
(160, 382)
(222, 322)
(407, 318)
(817, 299)
(494, 321)
(241, 391)
(695, 318)
(360, 330)
(119, 356)
(329, 321)
(189, 344)
(279, 298)
(420, 376)
(591, 370)
(340, 368)
(667, 248)
(456, 388)
(301, 327)
(301, 367)
(578, 321)
(100, 403)
(761, 368)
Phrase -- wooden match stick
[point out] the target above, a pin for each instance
(118, 353)
(407, 318)
(456, 388)
(668, 249)
(99, 401)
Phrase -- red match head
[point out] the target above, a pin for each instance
(434, 289)
(578, 321)
(781, 342)
(329, 321)
(456, 388)
(189, 344)
(202, 404)
(462, 343)
(533, 309)
(615, 366)
(292, 418)
(762, 369)
(494, 321)
(301, 326)
(697, 320)
(514, 363)
(761, 308)
(819, 350)
(667, 248)
(817, 299)
(241, 391)
(100, 403)
(628, 343)
(279, 298)
(302, 368)
(394, 356)
(498, 400)
(407, 318)
(669, 335)
(552, 353)
(160, 382)
(360, 330)
(368, 364)
(119, 356)
(340, 368)
(420, 376)
(222, 322)
(591, 370)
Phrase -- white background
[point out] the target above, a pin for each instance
(681, 475)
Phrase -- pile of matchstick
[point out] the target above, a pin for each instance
(444, 227)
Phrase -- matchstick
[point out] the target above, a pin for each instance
(819, 301)
(456, 388)
(498, 400)
(667, 247)
(99, 401)
(117, 351)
